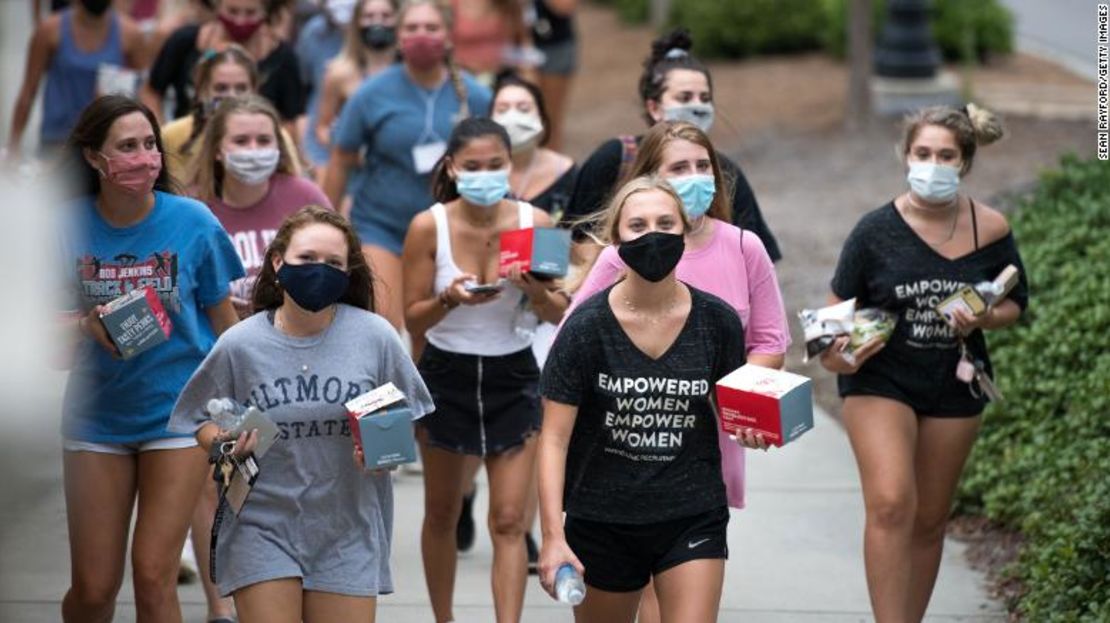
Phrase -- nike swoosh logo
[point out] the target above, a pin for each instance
(693, 544)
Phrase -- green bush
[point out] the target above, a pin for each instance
(960, 27)
(739, 28)
(1042, 462)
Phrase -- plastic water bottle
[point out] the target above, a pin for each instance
(569, 587)
(226, 413)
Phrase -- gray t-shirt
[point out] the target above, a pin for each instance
(313, 513)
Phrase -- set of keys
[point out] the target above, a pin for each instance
(973, 372)
(234, 489)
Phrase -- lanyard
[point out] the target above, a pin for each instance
(429, 135)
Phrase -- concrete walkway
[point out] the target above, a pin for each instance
(796, 550)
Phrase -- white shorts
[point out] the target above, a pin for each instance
(172, 443)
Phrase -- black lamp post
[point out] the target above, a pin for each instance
(906, 48)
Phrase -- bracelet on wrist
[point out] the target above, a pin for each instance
(446, 301)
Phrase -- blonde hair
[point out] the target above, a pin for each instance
(971, 125)
(649, 157)
(448, 17)
(606, 223)
(208, 172)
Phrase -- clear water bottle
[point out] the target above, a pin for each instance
(569, 587)
(226, 413)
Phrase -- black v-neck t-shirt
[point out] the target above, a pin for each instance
(644, 447)
(886, 264)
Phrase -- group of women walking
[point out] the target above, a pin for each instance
(294, 299)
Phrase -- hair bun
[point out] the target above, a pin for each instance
(671, 44)
(988, 128)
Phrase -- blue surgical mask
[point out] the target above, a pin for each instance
(484, 188)
(696, 191)
(696, 113)
(935, 183)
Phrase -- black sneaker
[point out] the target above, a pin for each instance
(533, 554)
(464, 530)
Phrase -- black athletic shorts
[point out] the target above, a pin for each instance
(622, 557)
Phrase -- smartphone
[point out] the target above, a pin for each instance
(484, 288)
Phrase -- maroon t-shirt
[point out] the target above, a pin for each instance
(252, 228)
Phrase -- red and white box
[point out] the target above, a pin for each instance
(772, 402)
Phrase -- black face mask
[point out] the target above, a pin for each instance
(653, 256)
(378, 37)
(96, 7)
(313, 286)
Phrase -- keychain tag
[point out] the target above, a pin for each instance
(965, 370)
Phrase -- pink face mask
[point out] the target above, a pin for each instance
(134, 173)
(422, 51)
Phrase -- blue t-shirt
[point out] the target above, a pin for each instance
(181, 251)
(387, 116)
(318, 42)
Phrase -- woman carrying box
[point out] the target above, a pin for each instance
(478, 362)
(681, 153)
(910, 419)
(312, 541)
(130, 231)
(629, 445)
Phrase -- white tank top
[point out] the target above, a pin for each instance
(490, 329)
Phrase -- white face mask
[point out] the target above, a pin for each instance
(934, 183)
(698, 114)
(341, 11)
(252, 166)
(524, 128)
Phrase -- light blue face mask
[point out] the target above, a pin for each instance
(696, 192)
(934, 183)
(484, 188)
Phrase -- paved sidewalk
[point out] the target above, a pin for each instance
(796, 550)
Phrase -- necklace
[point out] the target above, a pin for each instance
(951, 229)
(283, 328)
(655, 317)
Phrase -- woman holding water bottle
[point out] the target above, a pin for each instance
(478, 362)
(629, 444)
(312, 541)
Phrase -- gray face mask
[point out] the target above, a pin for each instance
(698, 114)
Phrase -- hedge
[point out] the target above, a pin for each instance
(739, 28)
(1042, 462)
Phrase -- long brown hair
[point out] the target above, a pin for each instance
(207, 176)
(649, 157)
(90, 132)
(268, 293)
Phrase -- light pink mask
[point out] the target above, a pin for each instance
(135, 173)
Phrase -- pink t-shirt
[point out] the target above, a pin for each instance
(252, 228)
(734, 267)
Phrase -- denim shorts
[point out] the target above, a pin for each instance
(484, 405)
